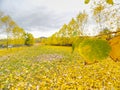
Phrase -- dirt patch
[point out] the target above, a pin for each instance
(49, 57)
(4, 57)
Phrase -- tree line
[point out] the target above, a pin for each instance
(14, 34)
(105, 16)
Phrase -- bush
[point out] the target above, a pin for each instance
(29, 39)
(93, 50)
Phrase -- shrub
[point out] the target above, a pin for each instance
(92, 49)
(29, 39)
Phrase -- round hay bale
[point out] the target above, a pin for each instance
(92, 50)
(115, 48)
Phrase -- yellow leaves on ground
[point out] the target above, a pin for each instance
(23, 71)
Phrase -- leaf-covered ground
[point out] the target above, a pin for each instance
(55, 68)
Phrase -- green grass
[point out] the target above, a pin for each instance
(23, 69)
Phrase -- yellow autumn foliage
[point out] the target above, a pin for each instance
(115, 45)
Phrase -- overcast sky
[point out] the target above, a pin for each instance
(42, 17)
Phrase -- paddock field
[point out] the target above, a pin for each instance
(55, 68)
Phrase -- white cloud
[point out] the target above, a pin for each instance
(50, 14)
(42, 13)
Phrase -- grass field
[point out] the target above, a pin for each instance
(55, 68)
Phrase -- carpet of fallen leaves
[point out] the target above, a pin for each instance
(55, 68)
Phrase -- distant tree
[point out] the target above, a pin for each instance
(63, 32)
(68, 33)
(82, 21)
(98, 8)
(29, 39)
(9, 24)
(112, 16)
(106, 16)
(18, 36)
(73, 30)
